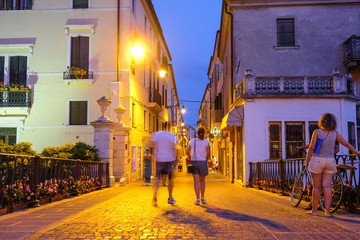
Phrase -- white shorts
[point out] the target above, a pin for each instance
(320, 165)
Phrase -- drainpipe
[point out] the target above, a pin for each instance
(232, 76)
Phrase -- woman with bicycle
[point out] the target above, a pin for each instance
(320, 160)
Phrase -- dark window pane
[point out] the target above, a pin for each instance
(18, 68)
(80, 4)
(2, 66)
(11, 140)
(275, 150)
(294, 137)
(285, 32)
(78, 113)
(312, 127)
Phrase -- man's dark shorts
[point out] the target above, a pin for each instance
(164, 168)
(200, 168)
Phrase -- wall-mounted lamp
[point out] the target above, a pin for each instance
(183, 109)
(163, 70)
(138, 51)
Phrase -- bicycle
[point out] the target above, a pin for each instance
(303, 185)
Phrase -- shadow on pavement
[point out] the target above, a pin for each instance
(179, 216)
(235, 216)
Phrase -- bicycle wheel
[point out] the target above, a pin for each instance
(337, 189)
(298, 188)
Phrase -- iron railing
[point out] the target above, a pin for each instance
(15, 99)
(21, 176)
(280, 174)
(352, 49)
(154, 96)
(86, 75)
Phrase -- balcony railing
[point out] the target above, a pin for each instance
(78, 75)
(154, 96)
(15, 98)
(290, 86)
(352, 50)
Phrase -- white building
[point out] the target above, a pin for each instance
(70, 54)
(277, 67)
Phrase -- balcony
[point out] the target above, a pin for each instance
(76, 75)
(15, 102)
(352, 52)
(326, 86)
(155, 100)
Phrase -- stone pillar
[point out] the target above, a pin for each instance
(121, 147)
(249, 82)
(103, 136)
(339, 82)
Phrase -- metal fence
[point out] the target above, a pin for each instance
(280, 174)
(27, 178)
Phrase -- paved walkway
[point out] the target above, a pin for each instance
(126, 212)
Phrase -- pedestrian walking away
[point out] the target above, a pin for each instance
(148, 166)
(320, 160)
(165, 154)
(199, 152)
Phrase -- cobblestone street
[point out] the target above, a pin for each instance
(232, 212)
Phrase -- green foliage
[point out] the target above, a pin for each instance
(79, 150)
(23, 148)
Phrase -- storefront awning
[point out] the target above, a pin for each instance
(233, 118)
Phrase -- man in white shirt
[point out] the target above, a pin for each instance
(165, 155)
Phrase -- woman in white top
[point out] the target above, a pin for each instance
(321, 162)
(199, 151)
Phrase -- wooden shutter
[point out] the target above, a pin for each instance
(80, 52)
(78, 113)
(285, 32)
(18, 68)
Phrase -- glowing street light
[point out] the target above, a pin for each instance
(183, 110)
(137, 51)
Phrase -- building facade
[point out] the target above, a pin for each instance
(277, 67)
(65, 55)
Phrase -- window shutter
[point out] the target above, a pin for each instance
(80, 4)
(9, 5)
(28, 4)
(74, 52)
(22, 70)
(78, 113)
(84, 53)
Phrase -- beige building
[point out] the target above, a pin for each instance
(71, 53)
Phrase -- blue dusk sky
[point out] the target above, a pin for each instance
(189, 28)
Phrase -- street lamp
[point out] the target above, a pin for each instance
(138, 51)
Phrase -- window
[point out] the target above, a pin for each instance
(285, 32)
(218, 102)
(8, 135)
(78, 112)
(294, 137)
(19, 4)
(80, 4)
(145, 120)
(2, 68)
(150, 126)
(133, 115)
(80, 52)
(351, 134)
(18, 70)
(275, 151)
(312, 127)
